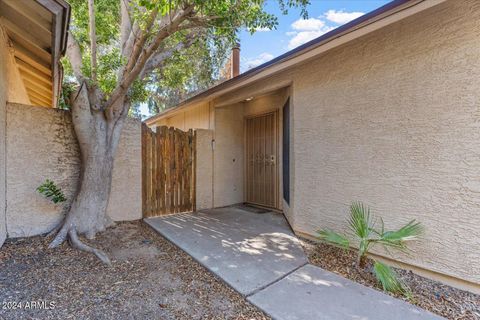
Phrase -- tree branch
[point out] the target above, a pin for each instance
(131, 74)
(128, 32)
(74, 55)
(125, 24)
(157, 60)
(128, 46)
(140, 42)
(81, 114)
(93, 39)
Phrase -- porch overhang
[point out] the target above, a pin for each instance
(37, 31)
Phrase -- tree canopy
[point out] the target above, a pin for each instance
(194, 53)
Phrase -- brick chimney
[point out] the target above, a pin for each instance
(235, 61)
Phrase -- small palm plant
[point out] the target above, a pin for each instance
(362, 227)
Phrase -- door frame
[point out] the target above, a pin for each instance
(276, 112)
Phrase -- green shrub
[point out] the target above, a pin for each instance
(50, 191)
(362, 226)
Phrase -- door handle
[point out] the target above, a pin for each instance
(272, 159)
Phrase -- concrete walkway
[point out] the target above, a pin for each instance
(258, 255)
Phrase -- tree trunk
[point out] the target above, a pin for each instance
(98, 138)
(88, 210)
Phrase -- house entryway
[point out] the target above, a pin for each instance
(261, 148)
(259, 256)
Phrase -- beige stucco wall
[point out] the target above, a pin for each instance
(393, 120)
(126, 197)
(41, 145)
(11, 89)
(228, 155)
(3, 103)
(204, 169)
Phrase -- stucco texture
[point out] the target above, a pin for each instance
(11, 89)
(393, 120)
(228, 155)
(3, 106)
(204, 169)
(41, 144)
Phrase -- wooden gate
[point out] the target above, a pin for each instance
(168, 171)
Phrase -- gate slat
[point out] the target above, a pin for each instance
(162, 169)
(193, 156)
(185, 174)
(168, 171)
(172, 169)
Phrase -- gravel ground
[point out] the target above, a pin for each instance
(434, 296)
(149, 279)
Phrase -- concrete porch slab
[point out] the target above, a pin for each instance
(313, 293)
(247, 250)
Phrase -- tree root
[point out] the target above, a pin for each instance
(55, 230)
(75, 242)
(60, 237)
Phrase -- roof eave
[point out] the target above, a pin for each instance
(60, 10)
(392, 11)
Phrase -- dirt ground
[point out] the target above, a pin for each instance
(149, 279)
(434, 296)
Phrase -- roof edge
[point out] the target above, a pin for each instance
(369, 18)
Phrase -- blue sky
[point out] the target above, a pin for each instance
(292, 30)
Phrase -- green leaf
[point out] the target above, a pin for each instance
(361, 222)
(388, 278)
(409, 232)
(50, 191)
(334, 238)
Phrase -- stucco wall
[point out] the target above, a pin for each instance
(204, 169)
(126, 198)
(11, 89)
(3, 102)
(228, 155)
(41, 145)
(393, 120)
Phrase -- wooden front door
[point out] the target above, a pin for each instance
(262, 160)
